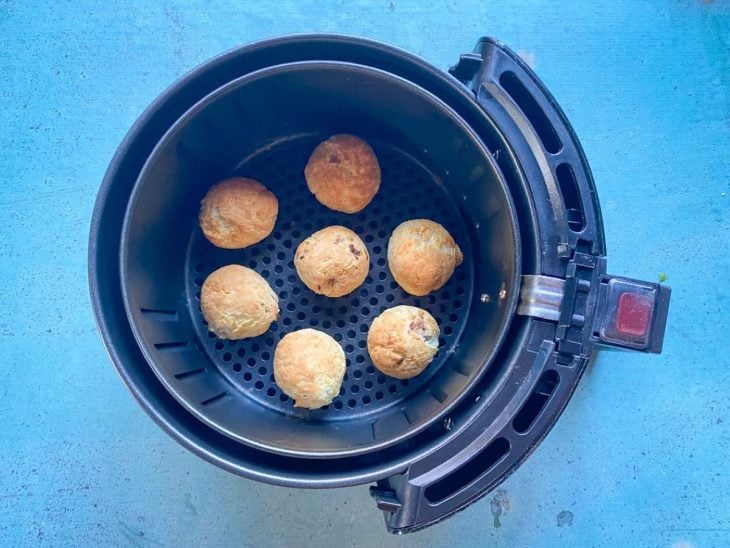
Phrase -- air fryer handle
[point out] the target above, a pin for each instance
(582, 305)
(615, 311)
(456, 475)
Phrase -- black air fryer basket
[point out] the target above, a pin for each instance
(484, 150)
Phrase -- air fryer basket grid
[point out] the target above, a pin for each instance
(408, 191)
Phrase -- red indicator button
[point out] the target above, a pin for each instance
(632, 317)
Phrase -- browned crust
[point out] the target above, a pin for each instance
(238, 213)
(402, 341)
(333, 261)
(343, 173)
(309, 367)
(422, 256)
(238, 303)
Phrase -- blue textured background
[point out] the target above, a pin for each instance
(640, 456)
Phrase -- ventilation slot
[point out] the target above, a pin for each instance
(477, 467)
(172, 346)
(159, 315)
(571, 198)
(532, 111)
(215, 399)
(536, 402)
(188, 374)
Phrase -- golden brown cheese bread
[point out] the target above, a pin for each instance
(343, 173)
(238, 303)
(309, 367)
(403, 340)
(422, 256)
(333, 261)
(238, 213)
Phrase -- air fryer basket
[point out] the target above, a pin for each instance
(567, 305)
(433, 167)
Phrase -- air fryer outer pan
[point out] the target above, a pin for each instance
(509, 410)
(434, 167)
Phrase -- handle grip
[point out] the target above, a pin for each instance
(557, 341)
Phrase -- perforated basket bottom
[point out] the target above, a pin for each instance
(408, 191)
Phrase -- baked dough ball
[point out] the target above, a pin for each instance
(402, 341)
(237, 303)
(422, 256)
(333, 261)
(238, 213)
(343, 173)
(309, 367)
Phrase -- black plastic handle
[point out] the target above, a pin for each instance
(489, 448)
(622, 312)
(551, 355)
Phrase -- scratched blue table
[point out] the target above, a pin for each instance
(640, 455)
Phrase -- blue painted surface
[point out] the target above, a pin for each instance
(640, 455)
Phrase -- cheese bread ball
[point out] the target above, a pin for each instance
(309, 367)
(422, 256)
(402, 341)
(333, 261)
(343, 173)
(237, 303)
(238, 213)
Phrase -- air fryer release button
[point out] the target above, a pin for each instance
(630, 310)
(633, 314)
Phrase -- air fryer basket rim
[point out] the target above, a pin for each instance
(221, 92)
(105, 228)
